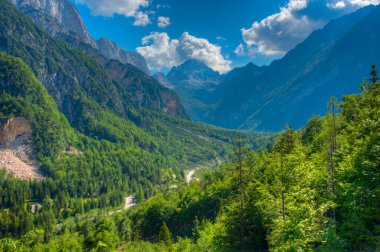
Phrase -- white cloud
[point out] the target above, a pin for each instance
(239, 50)
(341, 4)
(163, 22)
(162, 52)
(282, 31)
(337, 5)
(128, 8)
(141, 19)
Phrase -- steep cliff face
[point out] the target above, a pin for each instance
(112, 51)
(12, 129)
(56, 17)
(60, 17)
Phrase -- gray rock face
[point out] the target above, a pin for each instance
(56, 17)
(62, 17)
(112, 51)
(161, 78)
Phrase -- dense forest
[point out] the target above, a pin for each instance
(99, 133)
(99, 173)
(314, 189)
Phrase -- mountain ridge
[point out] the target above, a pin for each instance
(61, 17)
(275, 97)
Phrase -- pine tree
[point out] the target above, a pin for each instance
(240, 152)
(374, 79)
(333, 109)
(284, 145)
(165, 236)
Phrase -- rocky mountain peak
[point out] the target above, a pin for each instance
(56, 16)
(112, 51)
(193, 74)
(62, 17)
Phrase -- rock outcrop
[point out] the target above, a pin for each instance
(56, 17)
(16, 149)
(13, 129)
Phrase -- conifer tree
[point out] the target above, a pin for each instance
(165, 236)
(284, 145)
(333, 109)
(374, 79)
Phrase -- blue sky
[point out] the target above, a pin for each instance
(221, 33)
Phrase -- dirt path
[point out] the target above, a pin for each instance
(128, 202)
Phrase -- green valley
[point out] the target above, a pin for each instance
(99, 150)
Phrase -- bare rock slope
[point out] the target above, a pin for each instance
(16, 149)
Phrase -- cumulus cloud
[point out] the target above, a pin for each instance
(342, 4)
(141, 19)
(280, 32)
(163, 22)
(128, 8)
(337, 5)
(162, 52)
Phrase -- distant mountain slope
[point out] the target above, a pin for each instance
(328, 63)
(193, 81)
(193, 74)
(112, 51)
(161, 78)
(61, 17)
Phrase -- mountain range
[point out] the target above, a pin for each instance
(330, 62)
(265, 98)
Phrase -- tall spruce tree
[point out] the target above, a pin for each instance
(333, 108)
(284, 145)
(374, 79)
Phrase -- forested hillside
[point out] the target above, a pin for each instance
(315, 189)
(88, 172)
